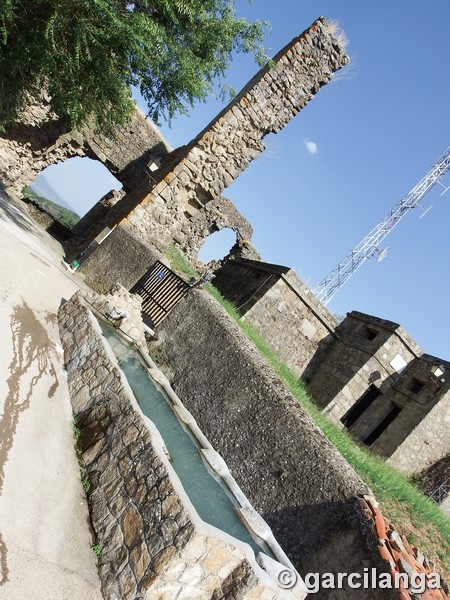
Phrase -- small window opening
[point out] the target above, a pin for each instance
(371, 333)
(415, 385)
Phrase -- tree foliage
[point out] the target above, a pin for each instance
(87, 54)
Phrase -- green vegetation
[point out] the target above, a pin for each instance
(63, 215)
(76, 431)
(88, 54)
(85, 480)
(83, 473)
(97, 549)
(407, 507)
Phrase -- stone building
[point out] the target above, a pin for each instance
(377, 382)
(274, 300)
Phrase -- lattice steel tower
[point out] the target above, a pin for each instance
(369, 246)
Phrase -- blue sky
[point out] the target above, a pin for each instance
(352, 154)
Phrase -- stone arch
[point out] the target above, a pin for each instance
(219, 214)
(78, 182)
(36, 141)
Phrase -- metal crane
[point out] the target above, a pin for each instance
(369, 246)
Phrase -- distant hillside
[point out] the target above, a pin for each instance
(63, 215)
(42, 187)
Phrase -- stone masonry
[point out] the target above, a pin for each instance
(376, 380)
(299, 484)
(196, 174)
(284, 311)
(366, 372)
(38, 140)
(292, 475)
(152, 546)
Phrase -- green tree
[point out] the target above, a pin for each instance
(87, 54)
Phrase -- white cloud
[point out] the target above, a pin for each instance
(311, 146)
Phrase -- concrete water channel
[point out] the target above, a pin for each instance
(212, 498)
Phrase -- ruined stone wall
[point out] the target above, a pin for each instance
(38, 141)
(199, 172)
(292, 475)
(280, 307)
(220, 153)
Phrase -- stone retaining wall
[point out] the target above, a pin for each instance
(153, 545)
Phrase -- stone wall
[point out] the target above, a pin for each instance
(111, 263)
(283, 310)
(292, 475)
(196, 174)
(122, 466)
(37, 141)
(428, 441)
(153, 544)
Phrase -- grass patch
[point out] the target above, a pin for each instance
(83, 473)
(179, 262)
(75, 430)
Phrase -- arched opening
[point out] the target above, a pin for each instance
(71, 188)
(217, 245)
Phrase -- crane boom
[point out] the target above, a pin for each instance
(369, 246)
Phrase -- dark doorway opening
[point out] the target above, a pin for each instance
(360, 406)
(375, 434)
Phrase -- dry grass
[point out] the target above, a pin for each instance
(334, 29)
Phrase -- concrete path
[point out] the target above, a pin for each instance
(45, 537)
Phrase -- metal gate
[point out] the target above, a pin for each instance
(160, 289)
